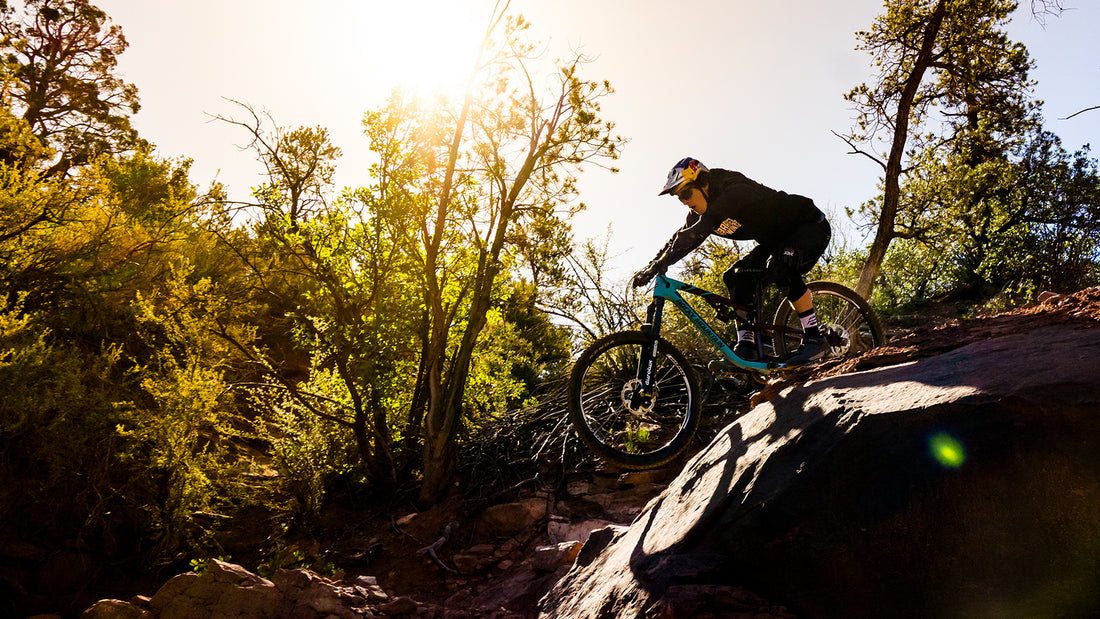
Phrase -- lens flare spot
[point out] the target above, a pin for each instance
(947, 450)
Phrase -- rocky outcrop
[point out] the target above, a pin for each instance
(964, 484)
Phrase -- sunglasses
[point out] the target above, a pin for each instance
(685, 194)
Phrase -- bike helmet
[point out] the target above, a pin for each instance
(685, 171)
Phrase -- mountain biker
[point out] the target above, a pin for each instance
(791, 232)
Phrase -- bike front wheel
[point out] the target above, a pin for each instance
(847, 321)
(614, 420)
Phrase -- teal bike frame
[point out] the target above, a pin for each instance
(667, 289)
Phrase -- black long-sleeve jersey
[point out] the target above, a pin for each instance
(741, 209)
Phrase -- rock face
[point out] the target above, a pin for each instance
(964, 484)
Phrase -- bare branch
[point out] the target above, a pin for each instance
(1088, 109)
(858, 151)
(1040, 9)
(444, 537)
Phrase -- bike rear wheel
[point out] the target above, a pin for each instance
(845, 319)
(623, 429)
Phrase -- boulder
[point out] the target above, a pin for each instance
(228, 590)
(111, 609)
(508, 519)
(550, 558)
(565, 531)
(963, 484)
(400, 606)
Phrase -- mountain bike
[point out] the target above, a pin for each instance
(634, 398)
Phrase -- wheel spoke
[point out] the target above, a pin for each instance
(622, 424)
(841, 311)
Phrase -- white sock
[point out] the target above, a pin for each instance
(808, 321)
(809, 324)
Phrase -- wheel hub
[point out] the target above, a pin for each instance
(836, 336)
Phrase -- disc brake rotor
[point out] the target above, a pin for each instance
(634, 401)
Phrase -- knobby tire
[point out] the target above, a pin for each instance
(638, 439)
(836, 306)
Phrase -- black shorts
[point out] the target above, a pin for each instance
(808, 241)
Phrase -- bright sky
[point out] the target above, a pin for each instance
(739, 84)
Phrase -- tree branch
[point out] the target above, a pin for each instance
(858, 151)
(1088, 109)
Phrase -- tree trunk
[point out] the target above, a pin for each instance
(439, 447)
(420, 397)
(442, 431)
(445, 405)
(892, 181)
(438, 453)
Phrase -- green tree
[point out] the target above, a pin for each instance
(59, 77)
(28, 200)
(332, 267)
(117, 381)
(1025, 216)
(1058, 198)
(947, 56)
(546, 347)
(411, 290)
(512, 172)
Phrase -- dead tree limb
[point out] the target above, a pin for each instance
(431, 549)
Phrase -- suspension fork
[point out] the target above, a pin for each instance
(652, 330)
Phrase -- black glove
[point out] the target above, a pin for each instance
(641, 278)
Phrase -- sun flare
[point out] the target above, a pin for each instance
(424, 46)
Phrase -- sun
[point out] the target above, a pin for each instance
(426, 47)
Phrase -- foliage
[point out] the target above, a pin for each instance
(493, 197)
(332, 268)
(1002, 229)
(126, 432)
(59, 77)
(56, 425)
(178, 425)
(949, 57)
(912, 275)
(1005, 219)
(406, 294)
(986, 198)
(306, 452)
(547, 347)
